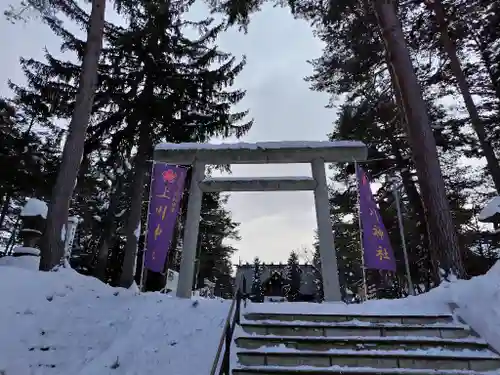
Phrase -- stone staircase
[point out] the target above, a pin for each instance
(282, 344)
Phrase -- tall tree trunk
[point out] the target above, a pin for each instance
(108, 229)
(419, 210)
(424, 264)
(408, 183)
(52, 242)
(134, 216)
(5, 207)
(443, 234)
(412, 193)
(451, 51)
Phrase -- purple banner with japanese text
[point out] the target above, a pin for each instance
(377, 250)
(167, 186)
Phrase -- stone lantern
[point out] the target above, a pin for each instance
(33, 217)
(27, 256)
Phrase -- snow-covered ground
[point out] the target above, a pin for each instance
(68, 324)
(29, 262)
(63, 323)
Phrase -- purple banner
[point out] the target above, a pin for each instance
(377, 250)
(167, 186)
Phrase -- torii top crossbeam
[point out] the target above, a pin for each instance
(260, 152)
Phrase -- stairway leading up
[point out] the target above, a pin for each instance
(286, 344)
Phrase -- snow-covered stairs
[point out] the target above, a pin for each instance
(272, 344)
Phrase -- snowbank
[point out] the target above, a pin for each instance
(477, 301)
(63, 323)
(30, 261)
(27, 262)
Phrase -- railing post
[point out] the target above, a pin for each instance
(238, 308)
(233, 319)
(227, 352)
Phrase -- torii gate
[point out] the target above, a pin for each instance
(198, 155)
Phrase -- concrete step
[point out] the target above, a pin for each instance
(359, 343)
(401, 319)
(278, 328)
(262, 370)
(429, 360)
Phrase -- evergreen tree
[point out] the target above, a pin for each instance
(257, 292)
(318, 278)
(52, 245)
(184, 97)
(376, 27)
(214, 260)
(449, 45)
(293, 277)
(29, 156)
(367, 98)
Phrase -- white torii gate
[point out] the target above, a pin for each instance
(316, 153)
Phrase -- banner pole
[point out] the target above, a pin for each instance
(365, 286)
(395, 191)
(145, 247)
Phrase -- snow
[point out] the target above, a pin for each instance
(63, 233)
(137, 231)
(305, 369)
(411, 306)
(134, 288)
(237, 179)
(364, 339)
(26, 250)
(258, 145)
(35, 207)
(27, 262)
(477, 302)
(30, 261)
(74, 219)
(63, 323)
(433, 352)
(350, 323)
(490, 210)
(120, 214)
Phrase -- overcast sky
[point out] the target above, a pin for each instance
(277, 47)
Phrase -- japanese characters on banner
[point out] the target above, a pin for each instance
(377, 250)
(167, 186)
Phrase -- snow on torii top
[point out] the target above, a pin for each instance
(261, 152)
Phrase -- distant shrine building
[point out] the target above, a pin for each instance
(274, 281)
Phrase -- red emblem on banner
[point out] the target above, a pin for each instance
(169, 176)
(363, 179)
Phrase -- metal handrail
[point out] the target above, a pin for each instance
(233, 318)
